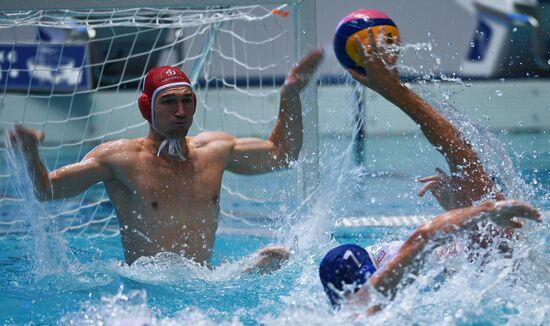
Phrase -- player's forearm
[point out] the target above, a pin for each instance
(457, 219)
(39, 175)
(410, 256)
(287, 136)
(408, 260)
(439, 131)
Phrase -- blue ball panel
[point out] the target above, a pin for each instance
(346, 30)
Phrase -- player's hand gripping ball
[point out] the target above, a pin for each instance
(357, 24)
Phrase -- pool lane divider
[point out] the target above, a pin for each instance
(383, 221)
(393, 221)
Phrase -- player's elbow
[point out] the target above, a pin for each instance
(280, 164)
(292, 156)
(292, 152)
(43, 191)
(43, 196)
(43, 199)
(286, 160)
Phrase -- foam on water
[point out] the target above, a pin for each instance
(497, 291)
(170, 268)
(131, 308)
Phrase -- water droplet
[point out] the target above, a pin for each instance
(515, 29)
(472, 44)
(499, 92)
(548, 61)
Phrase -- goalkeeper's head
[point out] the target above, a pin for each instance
(156, 80)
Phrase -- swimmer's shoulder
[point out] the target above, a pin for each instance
(116, 148)
(382, 253)
(208, 138)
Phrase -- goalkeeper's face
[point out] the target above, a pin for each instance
(174, 108)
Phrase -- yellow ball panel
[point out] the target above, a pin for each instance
(389, 31)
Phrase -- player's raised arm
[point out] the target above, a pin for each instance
(65, 182)
(468, 181)
(253, 155)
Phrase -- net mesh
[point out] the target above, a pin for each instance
(76, 75)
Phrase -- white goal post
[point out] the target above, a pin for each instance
(74, 68)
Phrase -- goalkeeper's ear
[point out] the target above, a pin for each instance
(144, 103)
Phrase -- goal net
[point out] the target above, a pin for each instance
(76, 75)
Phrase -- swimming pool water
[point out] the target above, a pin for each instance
(92, 286)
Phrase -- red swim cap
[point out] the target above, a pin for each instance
(157, 79)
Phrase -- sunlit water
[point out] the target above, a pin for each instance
(48, 277)
(90, 284)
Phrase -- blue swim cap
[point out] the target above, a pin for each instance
(347, 264)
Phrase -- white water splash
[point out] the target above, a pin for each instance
(173, 269)
(48, 251)
(131, 308)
